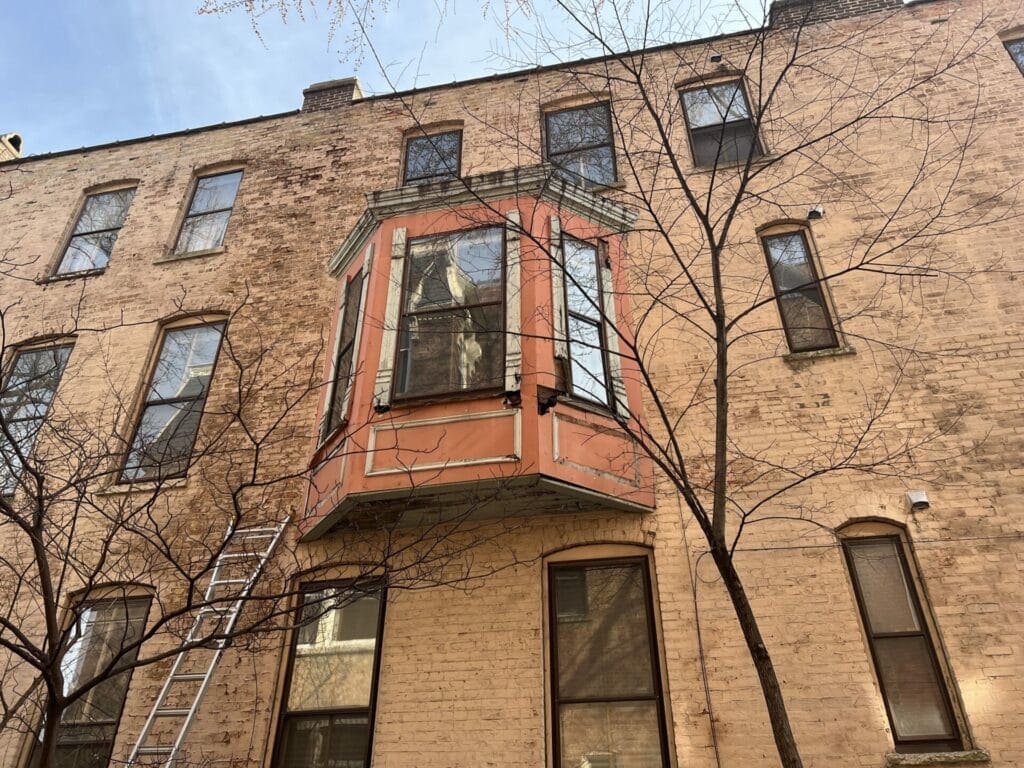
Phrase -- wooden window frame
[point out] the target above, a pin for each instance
(658, 694)
(335, 417)
(818, 283)
(918, 744)
(145, 403)
(56, 274)
(371, 711)
(429, 136)
(552, 157)
(600, 322)
(502, 303)
(719, 127)
(188, 214)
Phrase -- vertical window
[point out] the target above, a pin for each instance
(208, 213)
(451, 331)
(344, 361)
(97, 649)
(919, 707)
(606, 689)
(95, 232)
(1016, 49)
(24, 403)
(805, 314)
(328, 711)
(579, 143)
(721, 131)
(588, 371)
(167, 428)
(432, 158)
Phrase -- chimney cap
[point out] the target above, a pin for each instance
(12, 140)
(339, 84)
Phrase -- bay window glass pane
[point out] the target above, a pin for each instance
(582, 288)
(883, 586)
(913, 691)
(607, 652)
(619, 735)
(333, 665)
(587, 360)
(433, 157)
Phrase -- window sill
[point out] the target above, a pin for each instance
(797, 357)
(172, 257)
(416, 401)
(146, 486)
(70, 276)
(967, 757)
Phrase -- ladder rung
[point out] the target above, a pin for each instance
(239, 556)
(189, 676)
(252, 533)
(167, 712)
(219, 582)
(220, 610)
(163, 749)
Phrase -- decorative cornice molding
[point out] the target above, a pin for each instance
(537, 181)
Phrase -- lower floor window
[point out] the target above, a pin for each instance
(328, 717)
(606, 687)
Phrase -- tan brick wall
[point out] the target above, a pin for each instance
(463, 678)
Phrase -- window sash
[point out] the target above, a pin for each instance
(557, 156)
(432, 142)
(811, 289)
(344, 359)
(560, 573)
(589, 315)
(139, 464)
(737, 115)
(186, 235)
(101, 238)
(950, 739)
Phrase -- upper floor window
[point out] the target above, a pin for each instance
(1016, 49)
(606, 692)
(24, 403)
(718, 118)
(208, 212)
(585, 327)
(909, 671)
(327, 720)
(579, 143)
(451, 330)
(166, 432)
(433, 158)
(101, 642)
(802, 304)
(95, 232)
(344, 359)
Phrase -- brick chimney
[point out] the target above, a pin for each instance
(331, 94)
(10, 146)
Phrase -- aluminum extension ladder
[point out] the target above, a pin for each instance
(224, 618)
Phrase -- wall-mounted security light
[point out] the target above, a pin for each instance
(918, 500)
(716, 57)
(815, 213)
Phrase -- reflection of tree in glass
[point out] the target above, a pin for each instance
(207, 219)
(96, 232)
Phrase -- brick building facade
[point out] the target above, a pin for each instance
(549, 599)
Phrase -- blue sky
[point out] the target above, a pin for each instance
(85, 72)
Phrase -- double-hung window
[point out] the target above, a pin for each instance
(24, 403)
(606, 693)
(1016, 50)
(916, 698)
(451, 330)
(344, 359)
(102, 641)
(585, 327)
(327, 720)
(718, 118)
(802, 305)
(579, 143)
(162, 445)
(434, 157)
(95, 232)
(208, 212)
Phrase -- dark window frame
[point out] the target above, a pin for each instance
(600, 256)
(551, 157)
(12, 363)
(461, 394)
(334, 421)
(371, 711)
(55, 273)
(145, 403)
(720, 128)
(430, 178)
(116, 722)
(1016, 41)
(818, 284)
(190, 215)
(658, 695)
(918, 744)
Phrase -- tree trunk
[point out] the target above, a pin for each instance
(777, 715)
(51, 727)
